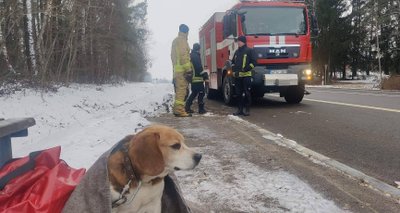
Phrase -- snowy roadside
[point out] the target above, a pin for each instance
(355, 86)
(236, 173)
(371, 82)
(85, 120)
(239, 172)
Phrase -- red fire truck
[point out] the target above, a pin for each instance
(279, 33)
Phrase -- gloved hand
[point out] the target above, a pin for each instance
(247, 68)
(235, 68)
(204, 74)
(236, 74)
(189, 76)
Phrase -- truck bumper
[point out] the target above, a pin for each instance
(273, 78)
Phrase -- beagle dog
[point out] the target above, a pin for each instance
(138, 164)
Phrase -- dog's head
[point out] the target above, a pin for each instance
(159, 149)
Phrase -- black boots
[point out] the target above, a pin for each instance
(201, 109)
(240, 111)
(188, 110)
(246, 111)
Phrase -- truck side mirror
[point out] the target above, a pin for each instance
(227, 26)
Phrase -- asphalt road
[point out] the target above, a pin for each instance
(358, 128)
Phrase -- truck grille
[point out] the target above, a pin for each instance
(277, 66)
(277, 52)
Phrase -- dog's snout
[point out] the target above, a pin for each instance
(197, 157)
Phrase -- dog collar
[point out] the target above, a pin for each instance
(132, 175)
(123, 198)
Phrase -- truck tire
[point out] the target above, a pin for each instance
(294, 94)
(227, 91)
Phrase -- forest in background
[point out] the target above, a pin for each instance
(355, 34)
(103, 41)
(63, 41)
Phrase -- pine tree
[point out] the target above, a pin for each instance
(333, 40)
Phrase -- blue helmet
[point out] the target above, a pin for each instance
(183, 28)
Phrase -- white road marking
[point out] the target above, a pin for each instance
(346, 104)
(395, 94)
(354, 105)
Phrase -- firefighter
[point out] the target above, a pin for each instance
(197, 84)
(180, 55)
(243, 65)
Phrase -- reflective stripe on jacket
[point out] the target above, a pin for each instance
(243, 61)
(180, 53)
(245, 74)
(197, 79)
(197, 67)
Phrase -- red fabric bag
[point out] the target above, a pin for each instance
(40, 182)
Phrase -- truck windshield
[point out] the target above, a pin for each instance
(273, 21)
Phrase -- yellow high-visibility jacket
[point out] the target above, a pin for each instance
(180, 53)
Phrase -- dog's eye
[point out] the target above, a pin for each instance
(176, 146)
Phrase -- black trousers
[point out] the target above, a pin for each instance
(197, 90)
(243, 91)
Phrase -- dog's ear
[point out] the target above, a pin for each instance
(146, 154)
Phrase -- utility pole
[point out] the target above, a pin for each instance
(378, 50)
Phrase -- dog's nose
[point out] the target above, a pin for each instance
(197, 157)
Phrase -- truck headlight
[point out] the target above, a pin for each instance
(307, 75)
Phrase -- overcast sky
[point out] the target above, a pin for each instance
(164, 18)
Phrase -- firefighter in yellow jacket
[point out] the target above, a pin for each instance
(180, 55)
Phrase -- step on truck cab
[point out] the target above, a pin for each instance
(279, 33)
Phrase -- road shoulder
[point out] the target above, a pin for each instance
(240, 165)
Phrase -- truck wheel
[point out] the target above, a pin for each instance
(294, 94)
(227, 91)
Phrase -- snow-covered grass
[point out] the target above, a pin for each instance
(371, 82)
(85, 120)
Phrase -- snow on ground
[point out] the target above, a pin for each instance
(224, 178)
(371, 82)
(87, 120)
